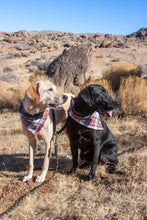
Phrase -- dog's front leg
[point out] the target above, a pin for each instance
(96, 155)
(32, 149)
(45, 166)
(74, 152)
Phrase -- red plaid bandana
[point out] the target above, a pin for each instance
(90, 121)
(33, 123)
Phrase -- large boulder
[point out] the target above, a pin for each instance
(69, 70)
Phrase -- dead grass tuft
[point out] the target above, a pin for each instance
(115, 73)
(133, 95)
(39, 75)
(11, 96)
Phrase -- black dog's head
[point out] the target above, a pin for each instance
(94, 98)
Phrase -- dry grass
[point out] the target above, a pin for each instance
(119, 196)
(115, 73)
(133, 95)
(12, 95)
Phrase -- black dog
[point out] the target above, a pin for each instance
(95, 140)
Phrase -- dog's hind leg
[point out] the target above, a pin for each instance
(32, 149)
(109, 156)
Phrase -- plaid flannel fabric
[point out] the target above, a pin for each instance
(33, 123)
(90, 121)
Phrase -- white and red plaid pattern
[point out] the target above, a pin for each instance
(90, 121)
(33, 123)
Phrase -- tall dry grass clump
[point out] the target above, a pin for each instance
(12, 95)
(133, 95)
(115, 73)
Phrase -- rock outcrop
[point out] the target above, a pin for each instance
(69, 70)
(141, 34)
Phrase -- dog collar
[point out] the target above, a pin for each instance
(33, 123)
(92, 121)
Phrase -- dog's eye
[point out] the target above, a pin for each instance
(50, 89)
(103, 94)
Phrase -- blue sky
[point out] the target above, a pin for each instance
(76, 16)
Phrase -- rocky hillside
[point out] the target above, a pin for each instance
(50, 40)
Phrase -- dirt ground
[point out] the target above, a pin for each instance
(119, 196)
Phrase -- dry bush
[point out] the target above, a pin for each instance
(38, 75)
(133, 95)
(11, 96)
(115, 73)
(8, 75)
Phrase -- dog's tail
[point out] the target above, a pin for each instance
(130, 150)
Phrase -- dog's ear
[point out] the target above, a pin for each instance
(33, 92)
(87, 96)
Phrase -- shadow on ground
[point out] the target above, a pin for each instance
(19, 162)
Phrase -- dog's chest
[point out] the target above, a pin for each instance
(79, 135)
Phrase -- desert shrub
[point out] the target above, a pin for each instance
(10, 102)
(133, 95)
(7, 40)
(115, 73)
(11, 96)
(38, 75)
(8, 76)
(40, 65)
(7, 69)
(12, 55)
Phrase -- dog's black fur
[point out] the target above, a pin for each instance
(95, 145)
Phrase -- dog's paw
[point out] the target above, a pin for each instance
(40, 178)
(90, 177)
(72, 171)
(111, 169)
(26, 178)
